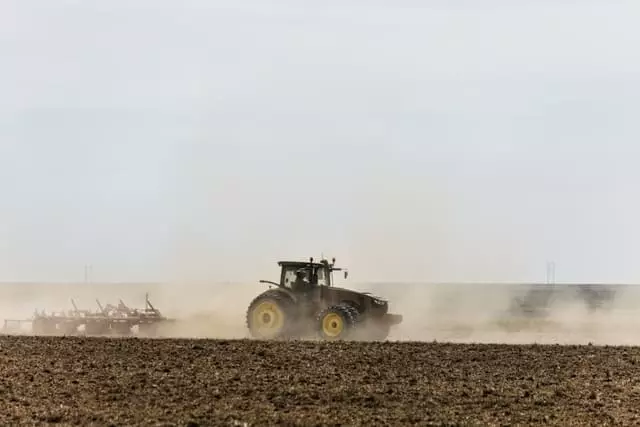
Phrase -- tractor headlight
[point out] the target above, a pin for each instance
(379, 301)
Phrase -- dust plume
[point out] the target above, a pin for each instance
(200, 310)
(483, 313)
(480, 313)
(208, 311)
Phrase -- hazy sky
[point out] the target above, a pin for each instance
(422, 141)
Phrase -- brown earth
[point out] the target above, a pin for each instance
(106, 381)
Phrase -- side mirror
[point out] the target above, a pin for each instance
(346, 273)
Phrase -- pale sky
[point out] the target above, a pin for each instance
(413, 140)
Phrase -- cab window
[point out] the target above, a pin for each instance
(290, 277)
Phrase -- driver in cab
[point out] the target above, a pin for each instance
(301, 284)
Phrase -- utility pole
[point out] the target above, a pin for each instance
(551, 272)
(87, 269)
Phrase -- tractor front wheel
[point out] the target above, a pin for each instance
(336, 322)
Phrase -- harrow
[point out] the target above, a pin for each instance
(118, 320)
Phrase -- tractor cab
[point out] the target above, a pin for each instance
(314, 274)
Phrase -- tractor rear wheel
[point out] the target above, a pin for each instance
(337, 322)
(271, 316)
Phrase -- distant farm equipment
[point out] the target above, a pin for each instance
(117, 320)
(538, 300)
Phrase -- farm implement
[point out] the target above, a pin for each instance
(115, 320)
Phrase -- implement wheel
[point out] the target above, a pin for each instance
(121, 328)
(148, 329)
(270, 316)
(44, 326)
(336, 322)
(96, 328)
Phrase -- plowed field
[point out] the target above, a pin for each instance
(101, 381)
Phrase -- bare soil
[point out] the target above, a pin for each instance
(131, 381)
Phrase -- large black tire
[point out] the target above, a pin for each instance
(271, 316)
(337, 322)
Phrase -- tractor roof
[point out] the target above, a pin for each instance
(300, 263)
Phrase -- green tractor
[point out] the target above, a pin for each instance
(305, 302)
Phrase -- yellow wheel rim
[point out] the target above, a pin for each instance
(332, 325)
(267, 319)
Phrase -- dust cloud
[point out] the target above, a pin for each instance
(483, 313)
(209, 311)
(199, 310)
(442, 312)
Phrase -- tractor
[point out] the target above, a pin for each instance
(305, 302)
